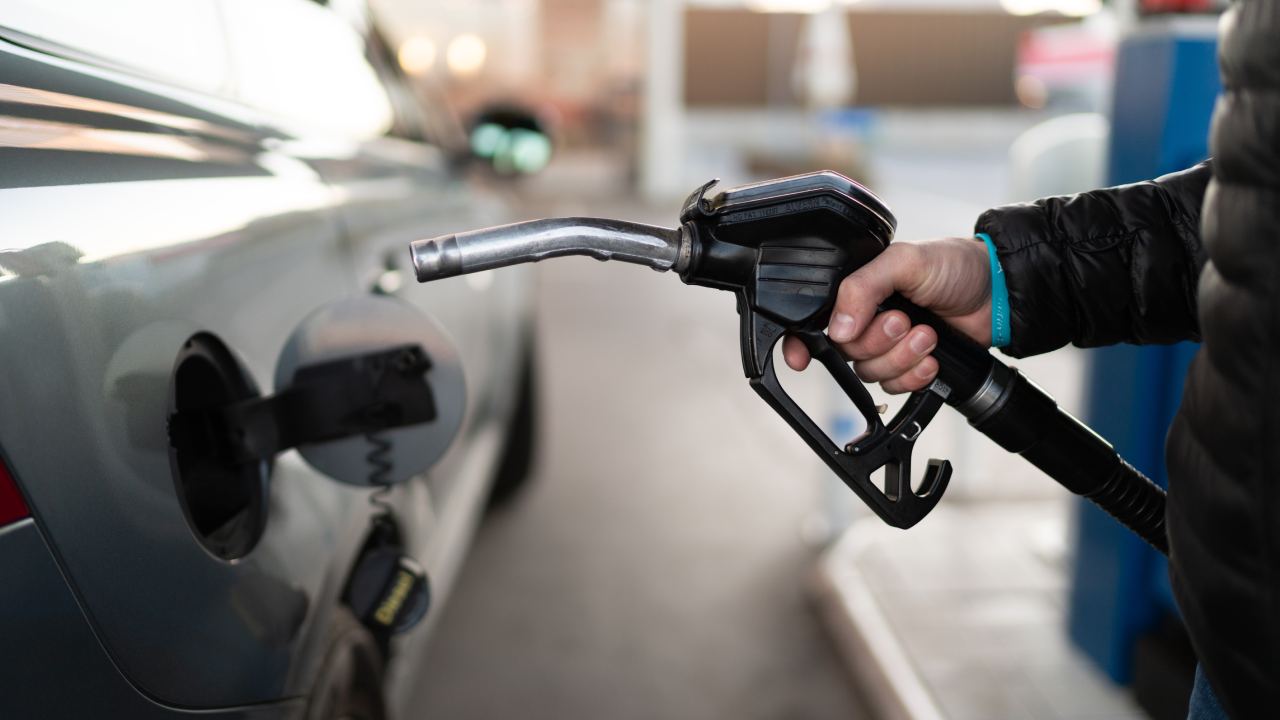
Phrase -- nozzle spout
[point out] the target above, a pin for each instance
(448, 255)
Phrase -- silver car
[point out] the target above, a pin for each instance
(194, 195)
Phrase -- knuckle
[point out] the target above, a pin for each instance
(850, 284)
(924, 373)
(913, 382)
(894, 386)
(849, 298)
(909, 262)
(856, 351)
(862, 288)
(928, 369)
(865, 347)
(868, 372)
(903, 358)
(905, 255)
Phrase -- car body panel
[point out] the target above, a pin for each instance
(53, 648)
(104, 282)
(134, 214)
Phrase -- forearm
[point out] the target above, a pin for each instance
(1103, 267)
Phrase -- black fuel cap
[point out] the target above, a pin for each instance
(389, 591)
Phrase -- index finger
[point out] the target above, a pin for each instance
(795, 353)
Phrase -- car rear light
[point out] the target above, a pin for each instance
(1179, 6)
(12, 507)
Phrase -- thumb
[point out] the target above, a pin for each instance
(899, 267)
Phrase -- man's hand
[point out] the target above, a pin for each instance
(950, 276)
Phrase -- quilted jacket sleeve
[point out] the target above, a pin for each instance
(1103, 267)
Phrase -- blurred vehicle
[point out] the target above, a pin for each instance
(1157, 7)
(207, 177)
(1068, 67)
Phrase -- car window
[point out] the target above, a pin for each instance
(304, 65)
(176, 40)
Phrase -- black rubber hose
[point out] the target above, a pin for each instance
(1137, 502)
(1026, 420)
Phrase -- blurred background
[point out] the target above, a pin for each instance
(678, 552)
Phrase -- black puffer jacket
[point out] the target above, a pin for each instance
(1128, 265)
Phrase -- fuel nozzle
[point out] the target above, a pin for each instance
(660, 248)
(783, 247)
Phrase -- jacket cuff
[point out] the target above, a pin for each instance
(1022, 238)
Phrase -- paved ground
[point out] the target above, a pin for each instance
(655, 568)
(964, 617)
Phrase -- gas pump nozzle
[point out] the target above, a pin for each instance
(657, 247)
(782, 247)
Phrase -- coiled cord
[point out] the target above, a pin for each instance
(380, 468)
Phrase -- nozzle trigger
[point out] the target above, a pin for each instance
(883, 445)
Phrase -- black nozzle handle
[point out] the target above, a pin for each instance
(898, 501)
(963, 364)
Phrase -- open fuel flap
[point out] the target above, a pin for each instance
(369, 391)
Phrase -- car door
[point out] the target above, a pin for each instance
(396, 183)
(142, 204)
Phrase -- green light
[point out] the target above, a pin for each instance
(487, 139)
(502, 155)
(530, 151)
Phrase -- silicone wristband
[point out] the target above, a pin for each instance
(1000, 331)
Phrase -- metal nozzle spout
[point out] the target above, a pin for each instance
(448, 255)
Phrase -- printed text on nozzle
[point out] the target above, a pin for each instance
(783, 247)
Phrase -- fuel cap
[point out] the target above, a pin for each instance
(389, 591)
(356, 326)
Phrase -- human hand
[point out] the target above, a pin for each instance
(950, 276)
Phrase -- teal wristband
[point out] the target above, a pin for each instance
(1000, 331)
